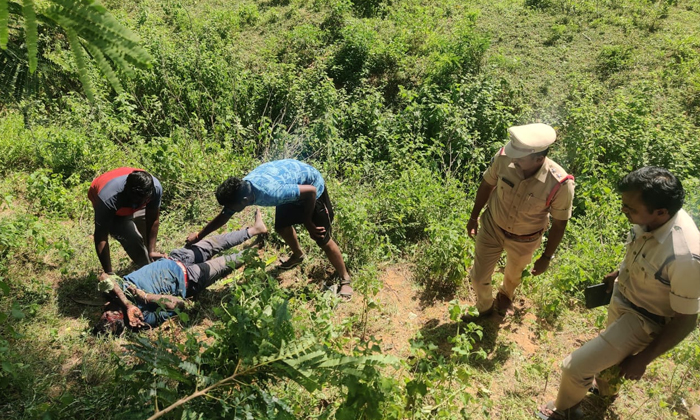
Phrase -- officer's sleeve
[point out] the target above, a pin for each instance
(562, 204)
(491, 173)
(685, 287)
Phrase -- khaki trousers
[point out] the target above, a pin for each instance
(627, 333)
(490, 243)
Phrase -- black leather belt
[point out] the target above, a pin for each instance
(661, 320)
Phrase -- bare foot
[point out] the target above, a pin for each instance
(258, 227)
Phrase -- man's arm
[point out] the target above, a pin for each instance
(307, 195)
(556, 233)
(169, 302)
(212, 226)
(133, 313)
(102, 249)
(103, 219)
(482, 197)
(152, 225)
(633, 367)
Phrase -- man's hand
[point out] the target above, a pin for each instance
(316, 232)
(104, 276)
(541, 265)
(137, 292)
(155, 255)
(192, 239)
(633, 368)
(135, 316)
(472, 227)
(609, 280)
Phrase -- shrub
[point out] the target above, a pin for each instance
(447, 254)
(613, 59)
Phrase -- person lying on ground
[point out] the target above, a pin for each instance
(300, 196)
(150, 295)
(126, 202)
(655, 293)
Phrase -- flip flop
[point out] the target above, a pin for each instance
(289, 264)
(346, 296)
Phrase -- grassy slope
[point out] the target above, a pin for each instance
(63, 357)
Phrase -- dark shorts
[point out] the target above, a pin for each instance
(293, 214)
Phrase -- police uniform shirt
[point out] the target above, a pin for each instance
(518, 205)
(661, 270)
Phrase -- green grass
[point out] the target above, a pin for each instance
(401, 105)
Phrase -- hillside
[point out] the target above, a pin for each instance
(401, 106)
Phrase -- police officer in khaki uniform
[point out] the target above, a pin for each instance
(529, 187)
(656, 298)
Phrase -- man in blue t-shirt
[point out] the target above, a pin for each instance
(149, 295)
(300, 196)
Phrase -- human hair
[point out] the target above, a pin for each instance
(230, 191)
(111, 321)
(139, 186)
(658, 187)
(543, 153)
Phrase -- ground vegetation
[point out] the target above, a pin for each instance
(401, 105)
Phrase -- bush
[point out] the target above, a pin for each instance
(613, 59)
(447, 254)
(604, 141)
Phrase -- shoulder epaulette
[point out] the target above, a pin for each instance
(561, 180)
(501, 152)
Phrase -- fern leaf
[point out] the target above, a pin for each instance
(79, 55)
(4, 20)
(105, 68)
(96, 26)
(31, 32)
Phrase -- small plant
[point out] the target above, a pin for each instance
(613, 59)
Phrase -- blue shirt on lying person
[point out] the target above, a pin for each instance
(162, 277)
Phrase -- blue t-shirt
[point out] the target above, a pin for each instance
(162, 277)
(277, 182)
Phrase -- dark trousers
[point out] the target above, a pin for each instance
(202, 271)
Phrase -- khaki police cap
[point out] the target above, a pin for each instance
(528, 139)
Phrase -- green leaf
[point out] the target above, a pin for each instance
(32, 36)
(455, 310)
(3, 286)
(416, 387)
(79, 56)
(17, 312)
(183, 316)
(105, 68)
(4, 19)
